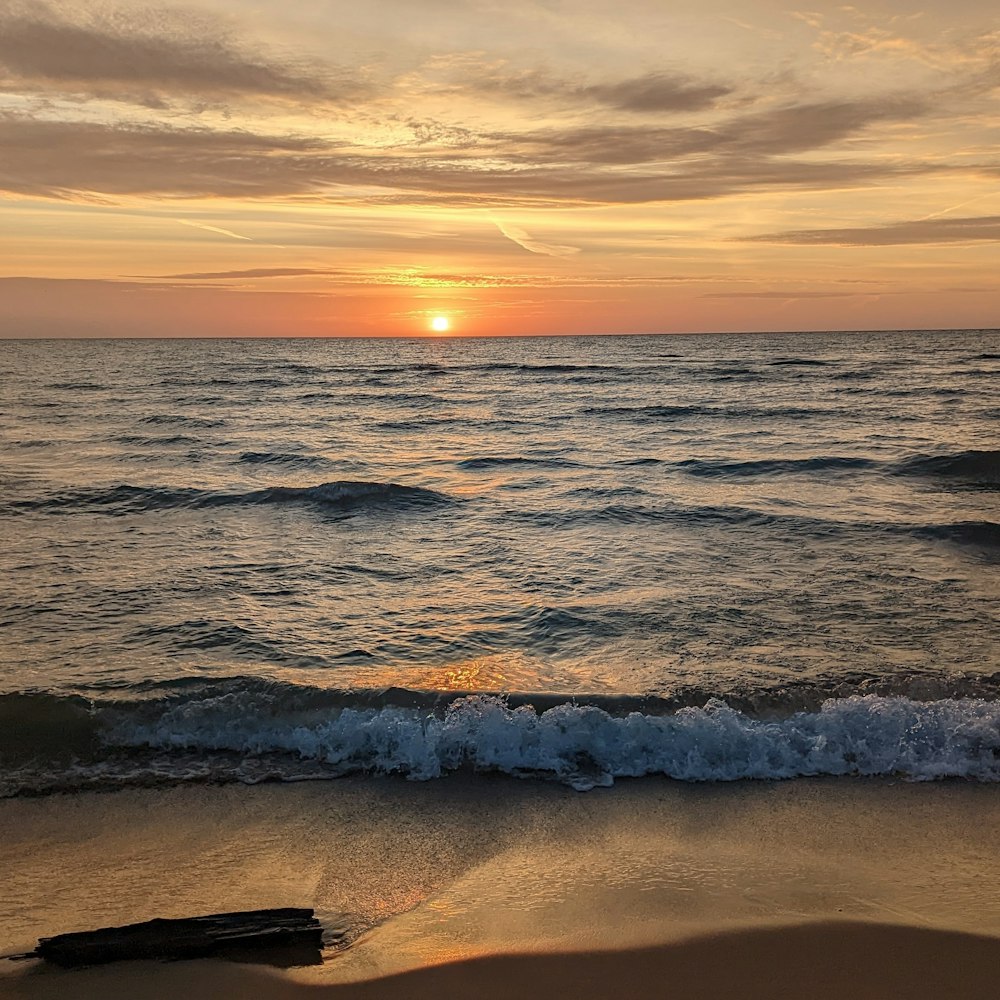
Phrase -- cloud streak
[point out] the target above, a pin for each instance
(786, 296)
(420, 278)
(529, 243)
(135, 53)
(930, 230)
(214, 229)
(250, 272)
(649, 93)
(611, 164)
(657, 93)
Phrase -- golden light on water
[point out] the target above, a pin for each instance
(440, 324)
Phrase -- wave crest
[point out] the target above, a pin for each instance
(506, 461)
(346, 495)
(258, 731)
(978, 467)
(585, 747)
(282, 458)
(775, 466)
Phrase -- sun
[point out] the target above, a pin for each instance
(440, 324)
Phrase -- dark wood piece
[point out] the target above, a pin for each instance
(287, 936)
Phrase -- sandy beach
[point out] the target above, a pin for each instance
(493, 888)
(815, 961)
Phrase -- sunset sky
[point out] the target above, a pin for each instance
(333, 168)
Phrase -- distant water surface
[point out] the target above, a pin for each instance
(237, 531)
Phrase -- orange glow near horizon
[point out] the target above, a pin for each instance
(637, 170)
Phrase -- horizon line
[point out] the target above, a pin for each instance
(438, 338)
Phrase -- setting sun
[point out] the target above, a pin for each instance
(440, 324)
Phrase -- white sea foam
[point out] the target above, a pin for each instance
(586, 747)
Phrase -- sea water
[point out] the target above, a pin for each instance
(712, 557)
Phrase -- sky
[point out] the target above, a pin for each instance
(333, 168)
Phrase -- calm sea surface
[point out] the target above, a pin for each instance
(218, 555)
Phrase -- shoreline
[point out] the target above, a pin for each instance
(812, 961)
(469, 874)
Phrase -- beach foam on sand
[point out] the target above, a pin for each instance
(486, 887)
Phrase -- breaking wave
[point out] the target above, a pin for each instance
(252, 731)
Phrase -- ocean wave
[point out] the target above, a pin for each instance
(774, 466)
(348, 494)
(201, 635)
(153, 441)
(975, 467)
(321, 396)
(682, 516)
(181, 419)
(980, 534)
(344, 495)
(500, 461)
(554, 368)
(262, 382)
(50, 727)
(282, 734)
(423, 423)
(652, 413)
(585, 747)
(282, 458)
(800, 363)
(726, 374)
(423, 367)
(353, 397)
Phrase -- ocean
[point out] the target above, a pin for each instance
(581, 558)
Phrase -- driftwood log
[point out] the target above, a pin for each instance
(284, 937)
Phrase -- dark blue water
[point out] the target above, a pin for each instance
(217, 548)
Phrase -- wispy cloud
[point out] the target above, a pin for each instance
(786, 296)
(656, 93)
(528, 242)
(961, 204)
(924, 231)
(149, 54)
(250, 272)
(213, 229)
(849, 33)
(426, 278)
(609, 164)
(650, 93)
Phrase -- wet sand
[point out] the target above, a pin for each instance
(490, 887)
(810, 961)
